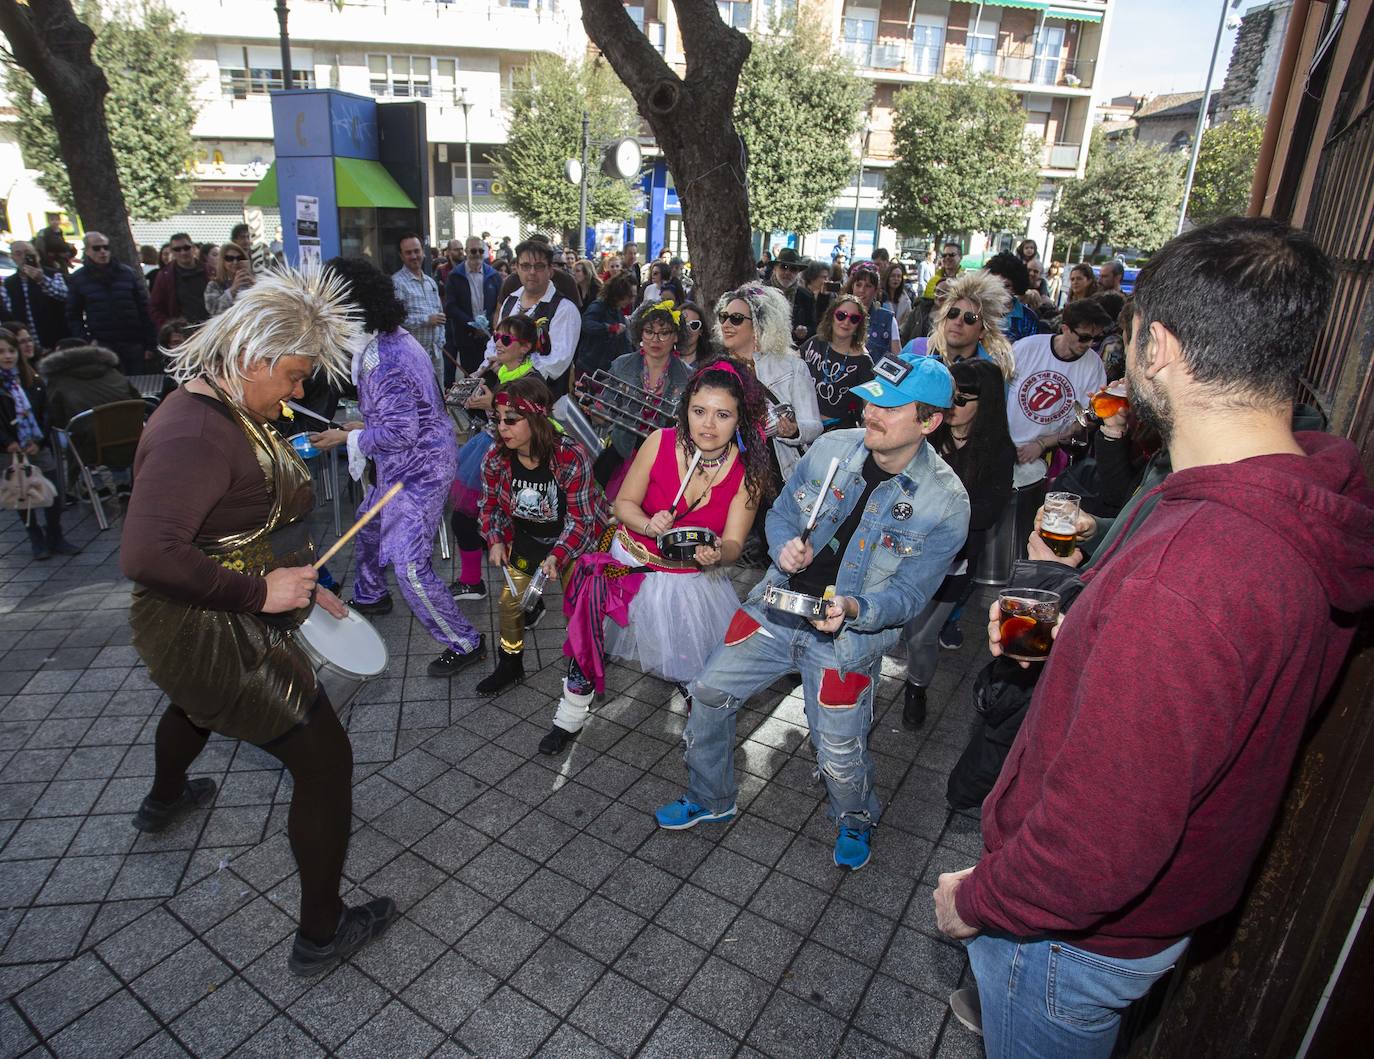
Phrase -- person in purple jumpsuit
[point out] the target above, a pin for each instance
(406, 436)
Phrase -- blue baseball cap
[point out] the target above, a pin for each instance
(906, 380)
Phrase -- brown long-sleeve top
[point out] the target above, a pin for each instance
(196, 481)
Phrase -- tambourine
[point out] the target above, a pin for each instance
(533, 591)
(776, 412)
(813, 608)
(681, 544)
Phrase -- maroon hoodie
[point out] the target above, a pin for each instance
(1163, 730)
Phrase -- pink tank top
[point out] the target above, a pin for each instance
(664, 482)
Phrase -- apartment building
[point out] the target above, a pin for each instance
(459, 56)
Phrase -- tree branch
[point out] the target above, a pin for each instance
(713, 49)
(650, 80)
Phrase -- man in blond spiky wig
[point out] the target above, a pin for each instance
(216, 544)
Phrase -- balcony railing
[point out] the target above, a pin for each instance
(908, 58)
(1060, 155)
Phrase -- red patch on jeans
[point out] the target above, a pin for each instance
(742, 626)
(841, 692)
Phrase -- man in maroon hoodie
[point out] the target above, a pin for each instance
(1162, 732)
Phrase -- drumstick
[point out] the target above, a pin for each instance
(510, 584)
(696, 458)
(820, 497)
(368, 516)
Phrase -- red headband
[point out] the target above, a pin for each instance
(521, 404)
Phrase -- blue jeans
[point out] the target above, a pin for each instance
(758, 649)
(1051, 1000)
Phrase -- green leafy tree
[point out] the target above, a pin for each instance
(1129, 196)
(798, 109)
(549, 97)
(144, 54)
(1226, 168)
(963, 161)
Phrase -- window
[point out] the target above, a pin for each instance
(735, 12)
(446, 80)
(255, 71)
(1049, 55)
(982, 45)
(927, 44)
(402, 76)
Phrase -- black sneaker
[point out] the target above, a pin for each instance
(357, 926)
(451, 663)
(536, 615)
(556, 741)
(156, 816)
(381, 606)
(464, 590)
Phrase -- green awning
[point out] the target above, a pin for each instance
(265, 194)
(357, 182)
(1033, 5)
(1074, 15)
(361, 182)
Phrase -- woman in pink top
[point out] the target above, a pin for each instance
(633, 603)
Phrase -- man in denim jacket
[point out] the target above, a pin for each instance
(890, 522)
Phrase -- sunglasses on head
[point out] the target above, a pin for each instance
(734, 318)
(969, 318)
(962, 398)
(506, 339)
(842, 316)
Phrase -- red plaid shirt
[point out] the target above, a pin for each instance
(572, 472)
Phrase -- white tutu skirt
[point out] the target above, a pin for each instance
(676, 621)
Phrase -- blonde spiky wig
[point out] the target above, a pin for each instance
(286, 313)
(992, 302)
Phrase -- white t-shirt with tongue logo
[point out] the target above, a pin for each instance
(1042, 394)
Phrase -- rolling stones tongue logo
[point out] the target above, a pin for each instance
(1045, 397)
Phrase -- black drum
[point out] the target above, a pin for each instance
(681, 544)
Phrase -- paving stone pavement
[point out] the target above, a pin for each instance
(543, 913)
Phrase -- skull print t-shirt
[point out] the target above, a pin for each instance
(835, 374)
(538, 509)
(1042, 395)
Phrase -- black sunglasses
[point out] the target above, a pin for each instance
(97, 247)
(734, 318)
(969, 318)
(474, 251)
(234, 257)
(1084, 338)
(961, 398)
(181, 249)
(510, 421)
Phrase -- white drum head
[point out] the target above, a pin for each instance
(349, 644)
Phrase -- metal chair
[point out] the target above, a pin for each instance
(105, 436)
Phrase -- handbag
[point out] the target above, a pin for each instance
(24, 487)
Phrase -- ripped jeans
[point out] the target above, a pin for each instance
(760, 646)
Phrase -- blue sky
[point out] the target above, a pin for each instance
(1163, 46)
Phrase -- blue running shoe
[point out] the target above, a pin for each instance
(682, 814)
(853, 848)
(951, 636)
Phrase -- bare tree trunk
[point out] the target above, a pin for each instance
(54, 46)
(693, 121)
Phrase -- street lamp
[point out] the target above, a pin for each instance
(1202, 115)
(467, 157)
(286, 76)
(858, 190)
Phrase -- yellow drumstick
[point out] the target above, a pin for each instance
(368, 515)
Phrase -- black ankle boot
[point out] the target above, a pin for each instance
(510, 669)
(914, 708)
(38, 541)
(58, 544)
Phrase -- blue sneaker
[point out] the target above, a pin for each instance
(951, 636)
(682, 814)
(853, 848)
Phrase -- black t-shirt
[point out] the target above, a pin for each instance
(835, 374)
(825, 567)
(538, 509)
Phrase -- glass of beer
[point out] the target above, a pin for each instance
(1027, 623)
(1109, 401)
(1059, 523)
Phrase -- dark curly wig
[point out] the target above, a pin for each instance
(370, 289)
(758, 468)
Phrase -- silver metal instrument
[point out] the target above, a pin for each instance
(813, 608)
(621, 404)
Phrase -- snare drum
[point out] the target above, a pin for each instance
(812, 608)
(347, 653)
(681, 544)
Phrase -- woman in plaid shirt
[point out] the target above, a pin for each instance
(541, 508)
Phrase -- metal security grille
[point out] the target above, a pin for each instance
(1340, 374)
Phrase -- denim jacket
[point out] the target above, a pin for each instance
(914, 525)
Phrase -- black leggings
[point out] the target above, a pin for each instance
(467, 536)
(319, 757)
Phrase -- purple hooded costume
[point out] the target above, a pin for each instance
(409, 438)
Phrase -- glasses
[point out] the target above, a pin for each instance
(181, 249)
(969, 318)
(950, 254)
(659, 333)
(843, 316)
(734, 319)
(475, 251)
(692, 325)
(97, 248)
(506, 340)
(233, 257)
(961, 398)
(532, 266)
(1089, 337)
(510, 421)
